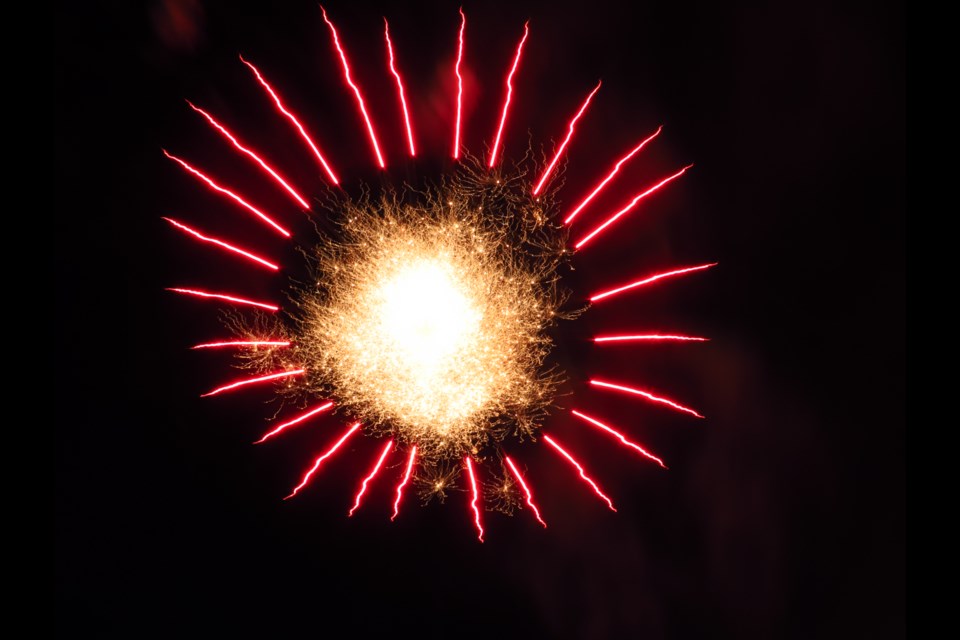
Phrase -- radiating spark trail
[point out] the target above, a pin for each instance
(220, 296)
(645, 394)
(630, 206)
(263, 165)
(649, 337)
(403, 98)
(584, 476)
(566, 141)
(295, 421)
(619, 436)
(327, 454)
(456, 134)
(609, 177)
(258, 379)
(356, 89)
(403, 482)
(221, 243)
(242, 343)
(293, 120)
(650, 279)
(526, 490)
(476, 495)
(376, 468)
(213, 185)
(506, 103)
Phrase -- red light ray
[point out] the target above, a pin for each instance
(242, 343)
(645, 394)
(376, 468)
(610, 175)
(293, 120)
(213, 185)
(220, 243)
(475, 493)
(220, 296)
(403, 482)
(651, 279)
(609, 221)
(258, 379)
(456, 133)
(526, 490)
(356, 89)
(263, 165)
(295, 421)
(553, 443)
(566, 141)
(329, 452)
(620, 437)
(506, 102)
(648, 337)
(400, 91)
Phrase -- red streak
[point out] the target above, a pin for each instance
(403, 482)
(610, 175)
(475, 496)
(327, 454)
(630, 206)
(245, 382)
(213, 185)
(566, 141)
(295, 421)
(456, 134)
(403, 98)
(651, 279)
(652, 337)
(583, 475)
(242, 343)
(376, 468)
(293, 120)
(526, 490)
(220, 296)
(506, 103)
(620, 436)
(356, 89)
(221, 243)
(263, 165)
(645, 394)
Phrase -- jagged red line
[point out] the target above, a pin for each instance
(645, 394)
(258, 379)
(406, 478)
(370, 476)
(400, 91)
(475, 495)
(610, 175)
(221, 296)
(506, 102)
(263, 165)
(242, 343)
(526, 490)
(356, 89)
(316, 465)
(295, 421)
(570, 129)
(650, 279)
(622, 212)
(648, 337)
(220, 243)
(293, 120)
(456, 135)
(619, 436)
(553, 443)
(213, 185)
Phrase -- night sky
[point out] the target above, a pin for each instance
(782, 513)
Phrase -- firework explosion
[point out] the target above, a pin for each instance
(427, 314)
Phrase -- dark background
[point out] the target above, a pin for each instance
(782, 514)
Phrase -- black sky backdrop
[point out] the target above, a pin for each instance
(782, 514)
